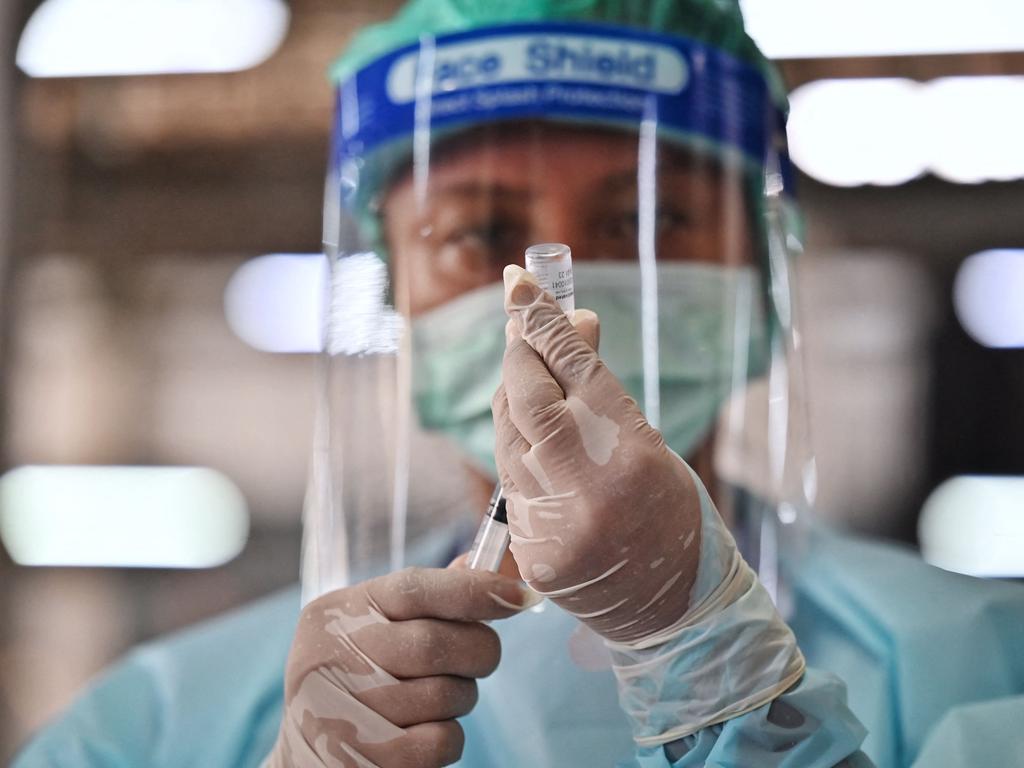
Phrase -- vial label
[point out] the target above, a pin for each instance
(556, 279)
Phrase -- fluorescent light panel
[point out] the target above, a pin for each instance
(975, 525)
(888, 131)
(289, 303)
(153, 517)
(82, 38)
(275, 303)
(799, 29)
(988, 296)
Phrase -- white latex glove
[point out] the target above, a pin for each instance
(615, 528)
(379, 671)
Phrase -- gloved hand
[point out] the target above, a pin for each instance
(604, 517)
(615, 528)
(378, 671)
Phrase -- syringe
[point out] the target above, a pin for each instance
(551, 264)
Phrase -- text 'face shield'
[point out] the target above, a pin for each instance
(660, 161)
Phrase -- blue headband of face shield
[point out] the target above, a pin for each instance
(599, 75)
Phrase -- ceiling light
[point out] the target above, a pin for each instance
(975, 525)
(888, 131)
(988, 296)
(275, 303)
(974, 127)
(82, 38)
(151, 517)
(798, 29)
(850, 132)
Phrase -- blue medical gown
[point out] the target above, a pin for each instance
(933, 662)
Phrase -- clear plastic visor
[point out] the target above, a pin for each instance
(678, 246)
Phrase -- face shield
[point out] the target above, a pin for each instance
(661, 161)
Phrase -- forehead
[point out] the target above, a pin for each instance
(536, 157)
(533, 152)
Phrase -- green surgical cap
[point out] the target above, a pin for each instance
(715, 22)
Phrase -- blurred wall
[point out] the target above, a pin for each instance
(877, 295)
(9, 30)
(869, 322)
(8, 41)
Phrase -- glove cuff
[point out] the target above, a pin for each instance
(729, 654)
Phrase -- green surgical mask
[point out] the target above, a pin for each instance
(711, 340)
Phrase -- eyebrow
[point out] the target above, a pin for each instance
(624, 180)
(473, 189)
(667, 166)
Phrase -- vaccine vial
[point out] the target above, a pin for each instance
(551, 264)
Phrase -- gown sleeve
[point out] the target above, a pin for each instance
(809, 726)
(932, 662)
(114, 725)
(208, 696)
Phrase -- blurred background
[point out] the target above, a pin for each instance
(161, 160)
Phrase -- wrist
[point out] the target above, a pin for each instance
(729, 653)
(728, 656)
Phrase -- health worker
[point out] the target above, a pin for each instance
(652, 447)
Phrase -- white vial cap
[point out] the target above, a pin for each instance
(544, 252)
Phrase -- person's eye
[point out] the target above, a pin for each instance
(669, 220)
(491, 239)
(626, 224)
(621, 225)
